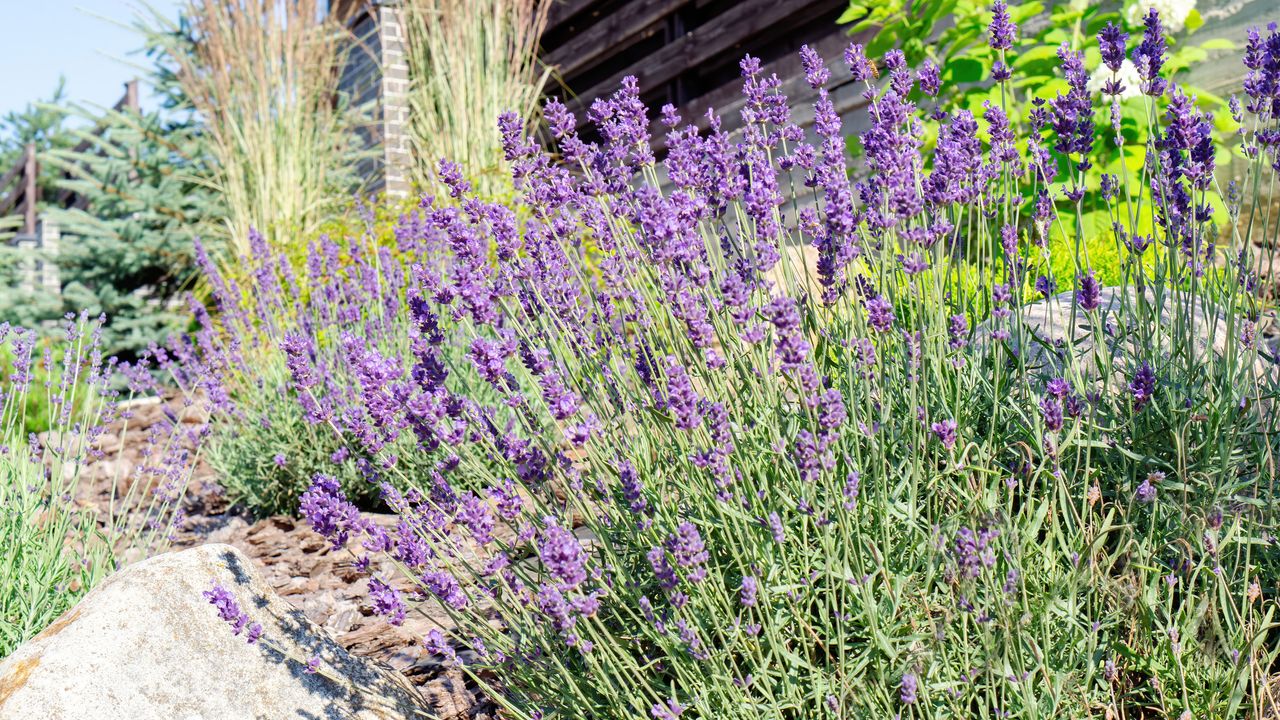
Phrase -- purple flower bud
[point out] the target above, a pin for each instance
(972, 550)
(750, 590)
(229, 610)
(1051, 410)
(1143, 386)
(1146, 492)
(775, 527)
(930, 77)
(1089, 292)
(670, 711)
(945, 431)
(863, 69)
(1045, 286)
(907, 689)
(563, 555)
(879, 313)
(815, 70)
(1149, 57)
(689, 551)
(850, 491)
(386, 601)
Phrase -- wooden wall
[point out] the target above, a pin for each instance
(685, 52)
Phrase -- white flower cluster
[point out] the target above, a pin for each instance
(1173, 13)
(1127, 75)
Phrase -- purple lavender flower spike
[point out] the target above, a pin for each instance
(563, 555)
(386, 601)
(908, 688)
(1143, 386)
(930, 77)
(1146, 492)
(750, 591)
(1072, 114)
(879, 313)
(671, 711)
(862, 68)
(776, 528)
(229, 611)
(1089, 293)
(1112, 43)
(945, 431)
(815, 70)
(329, 512)
(1149, 56)
(689, 551)
(1002, 29)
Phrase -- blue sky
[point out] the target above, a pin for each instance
(44, 38)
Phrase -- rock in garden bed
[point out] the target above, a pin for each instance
(146, 645)
(1049, 325)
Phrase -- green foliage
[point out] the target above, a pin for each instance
(899, 491)
(37, 412)
(266, 448)
(126, 249)
(41, 123)
(469, 61)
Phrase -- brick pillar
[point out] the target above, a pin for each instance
(395, 101)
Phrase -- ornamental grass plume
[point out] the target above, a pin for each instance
(262, 75)
(468, 61)
(660, 466)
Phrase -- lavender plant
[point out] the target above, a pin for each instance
(346, 302)
(711, 477)
(54, 543)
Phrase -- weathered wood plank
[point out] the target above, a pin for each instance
(31, 193)
(701, 44)
(611, 31)
(562, 11)
(727, 99)
(10, 201)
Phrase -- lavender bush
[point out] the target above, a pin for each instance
(737, 436)
(54, 543)
(271, 321)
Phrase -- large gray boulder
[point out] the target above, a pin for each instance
(147, 645)
(1052, 334)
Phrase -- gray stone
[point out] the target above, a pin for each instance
(146, 645)
(1048, 325)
